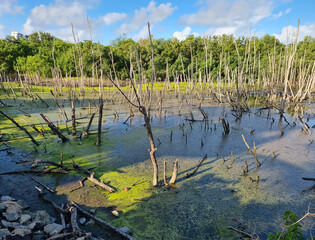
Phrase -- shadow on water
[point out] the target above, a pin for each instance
(200, 207)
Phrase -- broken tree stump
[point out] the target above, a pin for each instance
(174, 175)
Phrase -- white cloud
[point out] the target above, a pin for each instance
(10, 6)
(221, 30)
(143, 33)
(275, 16)
(227, 16)
(290, 31)
(57, 17)
(114, 17)
(152, 13)
(287, 11)
(182, 35)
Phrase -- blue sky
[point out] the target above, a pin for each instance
(168, 19)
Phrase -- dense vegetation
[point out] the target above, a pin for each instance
(43, 51)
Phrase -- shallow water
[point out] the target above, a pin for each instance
(201, 207)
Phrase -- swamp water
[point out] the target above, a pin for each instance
(199, 207)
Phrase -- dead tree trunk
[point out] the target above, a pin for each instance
(74, 129)
(175, 170)
(99, 128)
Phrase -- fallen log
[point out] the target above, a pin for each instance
(188, 175)
(100, 183)
(102, 222)
(49, 163)
(43, 171)
(78, 168)
(54, 128)
(20, 127)
(54, 205)
(75, 228)
(91, 177)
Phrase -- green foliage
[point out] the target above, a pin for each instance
(293, 232)
(198, 54)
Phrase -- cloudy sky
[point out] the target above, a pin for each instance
(178, 18)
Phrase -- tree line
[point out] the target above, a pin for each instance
(194, 56)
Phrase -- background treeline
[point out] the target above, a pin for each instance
(194, 56)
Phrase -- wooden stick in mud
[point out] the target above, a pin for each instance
(100, 183)
(253, 152)
(307, 128)
(175, 170)
(20, 127)
(102, 222)
(42, 100)
(225, 125)
(54, 128)
(308, 179)
(55, 206)
(86, 133)
(49, 163)
(91, 177)
(74, 130)
(44, 186)
(188, 175)
(43, 171)
(78, 168)
(99, 128)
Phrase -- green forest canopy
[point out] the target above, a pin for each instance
(35, 55)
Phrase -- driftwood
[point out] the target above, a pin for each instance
(55, 206)
(54, 128)
(75, 228)
(62, 218)
(78, 168)
(43, 185)
(47, 162)
(102, 222)
(188, 175)
(91, 177)
(20, 127)
(100, 183)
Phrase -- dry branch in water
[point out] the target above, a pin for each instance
(253, 151)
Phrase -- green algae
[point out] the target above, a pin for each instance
(197, 208)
